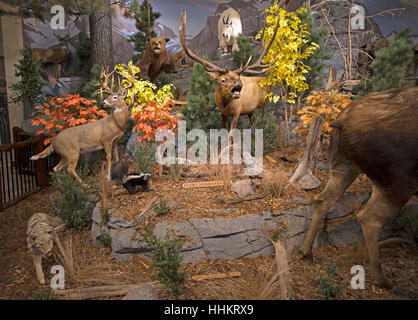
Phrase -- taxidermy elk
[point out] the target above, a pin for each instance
(235, 94)
(56, 56)
(376, 135)
(97, 135)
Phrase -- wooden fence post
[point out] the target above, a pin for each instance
(40, 165)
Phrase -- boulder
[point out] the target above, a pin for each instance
(243, 188)
(119, 170)
(144, 292)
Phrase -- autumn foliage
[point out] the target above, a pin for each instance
(328, 104)
(62, 113)
(152, 108)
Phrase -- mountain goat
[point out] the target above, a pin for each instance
(229, 27)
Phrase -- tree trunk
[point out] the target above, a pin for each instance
(101, 35)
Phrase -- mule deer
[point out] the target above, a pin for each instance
(376, 135)
(235, 94)
(98, 135)
(57, 56)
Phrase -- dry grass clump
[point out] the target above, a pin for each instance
(274, 182)
(82, 266)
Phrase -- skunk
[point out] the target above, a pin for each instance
(132, 180)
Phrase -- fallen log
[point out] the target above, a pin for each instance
(216, 276)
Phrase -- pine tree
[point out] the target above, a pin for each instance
(28, 89)
(245, 51)
(391, 64)
(200, 111)
(144, 25)
(315, 77)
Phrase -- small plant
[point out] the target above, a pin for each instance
(327, 283)
(41, 294)
(161, 207)
(271, 131)
(166, 259)
(175, 171)
(274, 183)
(144, 157)
(70, 204)
(105, 238)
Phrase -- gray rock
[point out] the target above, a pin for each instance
(299, 200)
(243, 188)
(345, 234)
(309, 182)
(348, 203)
(123, 241)
(62, 87)
(132, 142)
(144, 292)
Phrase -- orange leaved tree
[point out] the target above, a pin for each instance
(62, 113)
(327, 104)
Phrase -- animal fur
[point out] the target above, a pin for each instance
(40, 239)
(376, 135)
(132, 180)
(98, 135)
(229, 28)
(156, 60)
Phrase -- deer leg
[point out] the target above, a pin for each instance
(108, 151)
(371, 218)
(342, 176)
(57, 70)
(61, 165)
(115, 152)
(72, 164)
(234, 124)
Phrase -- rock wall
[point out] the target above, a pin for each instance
(243, 236)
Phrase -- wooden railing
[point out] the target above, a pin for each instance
(19, 176)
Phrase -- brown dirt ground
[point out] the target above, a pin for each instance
(18, 279)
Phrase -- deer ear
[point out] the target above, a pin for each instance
(212, 75)
(149, 39)
(167, 40)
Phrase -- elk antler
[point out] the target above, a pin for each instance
(250, 68)
(210, 67)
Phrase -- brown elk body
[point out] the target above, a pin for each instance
(376, 135)
(56, 56)
(98, 135)
(235, 94)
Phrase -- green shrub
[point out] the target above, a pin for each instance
(175, 171)
(200, 111)
(328, 286)
(144, 157)
(40, 294)
(245, 51)
(161, 207)
(166, 260)
(83, 52)
(70, 204)
(87, 89)
(271, 129)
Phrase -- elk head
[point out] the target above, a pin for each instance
(62, 40)
(229, 82)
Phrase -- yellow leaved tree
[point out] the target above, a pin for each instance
(291, 47)
(152, 108)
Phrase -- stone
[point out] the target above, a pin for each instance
(243, 188)
(309, 182)
(345, 234)
(143, 292)
(119, 170)
(123, 241)
(299, 200)
(348, 203)
(132, 142)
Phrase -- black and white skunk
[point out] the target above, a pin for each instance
(132, 180)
